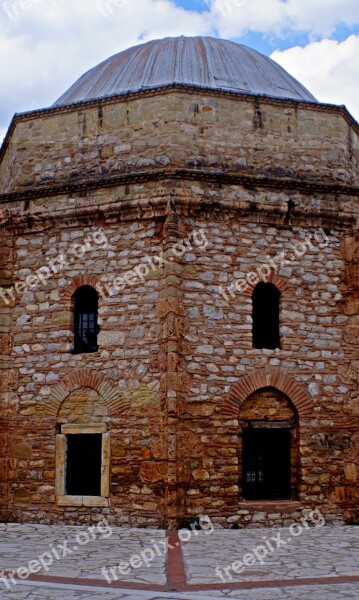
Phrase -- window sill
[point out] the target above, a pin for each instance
(82, 501)
(77, 352)
(272, 505)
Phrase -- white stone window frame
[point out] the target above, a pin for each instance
(61, 497)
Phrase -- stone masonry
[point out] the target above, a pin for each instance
(242, 179)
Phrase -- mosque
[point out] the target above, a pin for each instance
(179, 296)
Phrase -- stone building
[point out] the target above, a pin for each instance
(179, 273)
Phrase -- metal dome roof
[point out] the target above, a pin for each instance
(203, 62)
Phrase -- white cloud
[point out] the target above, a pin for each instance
(282, 17)
(45, 45)
(329, 69)
(2, 133)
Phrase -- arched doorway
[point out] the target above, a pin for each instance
(268, 453)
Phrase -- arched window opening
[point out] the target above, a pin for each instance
(265, 300)
(85, 320)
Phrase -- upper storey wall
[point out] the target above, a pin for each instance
(181, 129)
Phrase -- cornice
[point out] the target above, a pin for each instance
(282, 214)
(255, 182)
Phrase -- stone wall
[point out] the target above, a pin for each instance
(8, 376)
(173, 348)
(42, 360)
(314, 351)
(221, 132)
(175, 366)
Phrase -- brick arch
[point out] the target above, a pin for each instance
(86, 378)
(78, 282)
(279, 282)
(276, 378)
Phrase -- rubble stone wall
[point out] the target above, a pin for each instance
(176, 377)
(178, 129)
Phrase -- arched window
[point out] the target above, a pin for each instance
(265, 299)
(85, 319)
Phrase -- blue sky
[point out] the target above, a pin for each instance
(268, 43)
(198, 5)
(46, 45)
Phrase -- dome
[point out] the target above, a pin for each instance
(203, 62)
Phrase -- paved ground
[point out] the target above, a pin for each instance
(106, 547)
(322, 552)
(332, 592)
(320, 563)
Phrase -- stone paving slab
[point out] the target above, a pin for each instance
(322, 552)
(332, 592)
(21, 544)
(317, 552)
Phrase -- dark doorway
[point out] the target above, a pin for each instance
(265, 299)
(83, 464)
(266, 463)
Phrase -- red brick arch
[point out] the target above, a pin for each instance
(279, 282)
(89, 379)
(76, 283)
(263, 378)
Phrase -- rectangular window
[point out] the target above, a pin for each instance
(83, 464)
(266, 464)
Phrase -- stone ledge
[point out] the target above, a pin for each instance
(82, 501)
(79, 428)
(307, 187)
(271, 506)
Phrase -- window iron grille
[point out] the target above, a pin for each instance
(85, 320)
